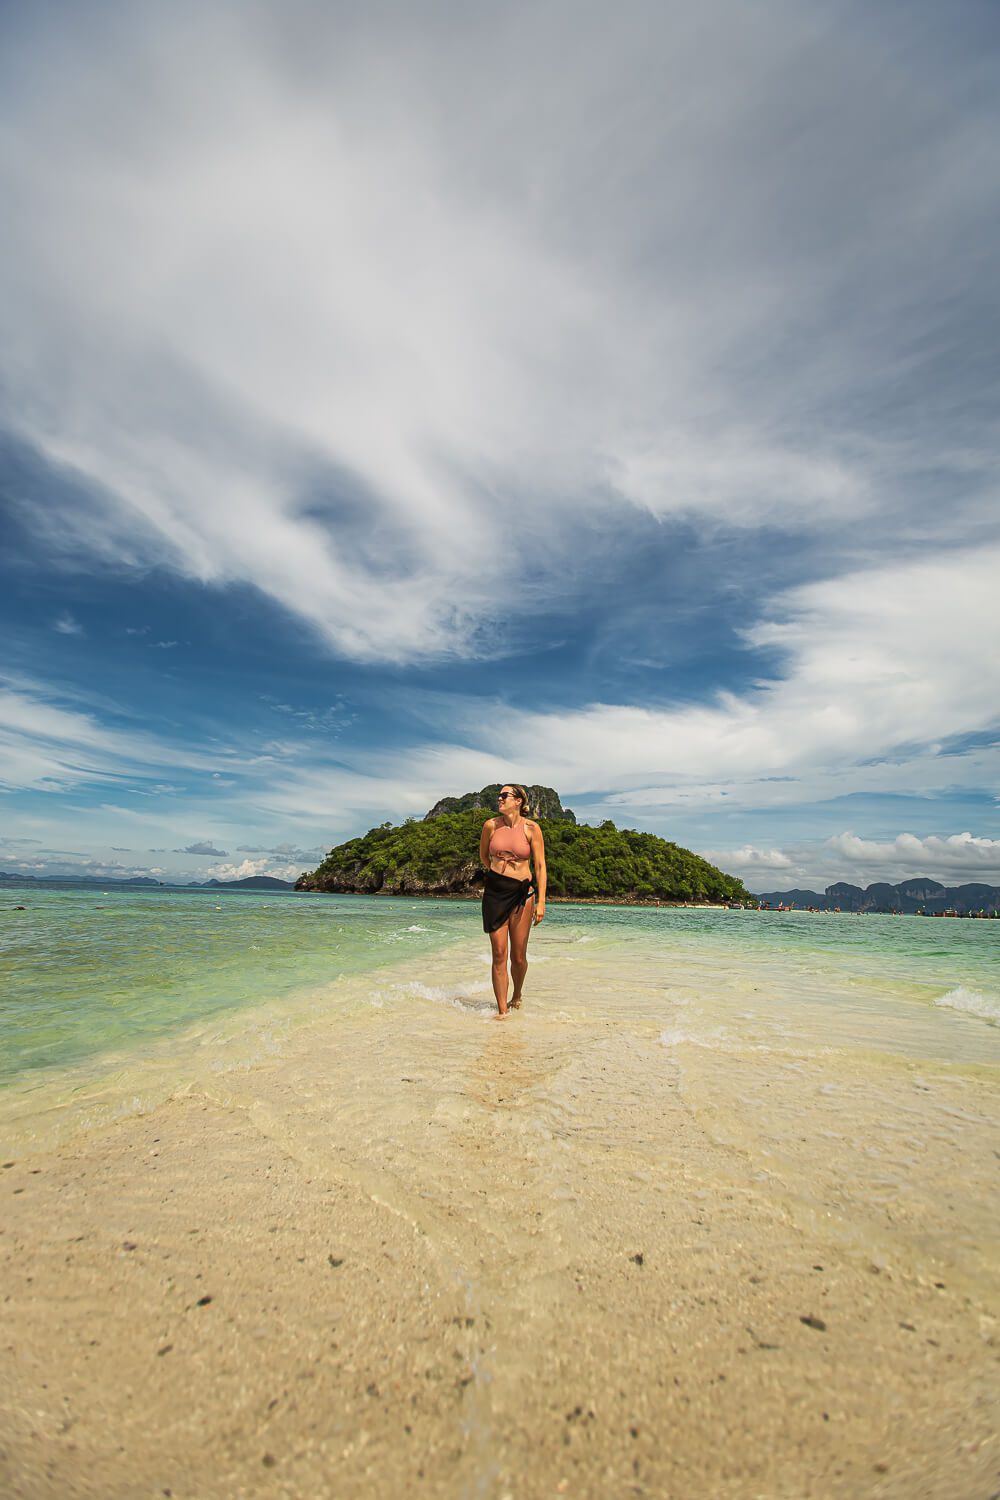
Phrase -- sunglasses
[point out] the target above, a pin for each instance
(504, 795)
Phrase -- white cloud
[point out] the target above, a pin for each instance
(749, 861)
(249, 867)
(867, 696)
(865, 678)
(955, 859)
(314, 316)
(204, 847)
(65, 624)
(336, 317)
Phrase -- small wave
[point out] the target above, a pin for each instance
(674, 1036)
(403, 934)
(971, 1002)
(474, 997)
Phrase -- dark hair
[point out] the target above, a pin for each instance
(521, 794)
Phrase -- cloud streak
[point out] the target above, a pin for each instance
(866, 677)
(49, 744)
(332, 310)
(694, 324)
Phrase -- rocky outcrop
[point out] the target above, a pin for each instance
(362, 879)
(545, 803)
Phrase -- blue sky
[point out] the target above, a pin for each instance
(403, 398)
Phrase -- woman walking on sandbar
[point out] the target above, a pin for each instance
(512, 900)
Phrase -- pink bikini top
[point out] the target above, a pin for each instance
(510, 844)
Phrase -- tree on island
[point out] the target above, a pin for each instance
(439, 856)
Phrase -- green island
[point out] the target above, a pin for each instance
(439, 856)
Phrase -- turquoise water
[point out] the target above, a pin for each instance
(83, 973)
(842, 1068)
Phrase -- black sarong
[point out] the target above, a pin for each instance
(502, 896)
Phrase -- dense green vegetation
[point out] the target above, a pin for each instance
(441, 856)
(585, 861)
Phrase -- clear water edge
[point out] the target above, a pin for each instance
(847, 1065)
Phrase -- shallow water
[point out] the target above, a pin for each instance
(843, 1067)
(82, 973)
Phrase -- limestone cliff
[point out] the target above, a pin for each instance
(544, 803)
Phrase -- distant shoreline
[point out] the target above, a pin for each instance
(116, 887)
(476, 896)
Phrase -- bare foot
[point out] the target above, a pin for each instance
(515, 1003)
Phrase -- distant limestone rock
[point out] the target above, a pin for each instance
(916, 894)
(794, 897)
(849, 897)
(544, 802)
(920, 888)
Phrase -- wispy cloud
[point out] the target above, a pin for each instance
(55, 866)
(287, 852)
(862, 686)
(338, 309)
(332, 720)
(330, 310)
(51, 743)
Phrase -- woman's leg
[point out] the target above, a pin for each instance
(498, 942)
(520, 931)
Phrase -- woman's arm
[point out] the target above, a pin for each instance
(541, 875)
(484, 842)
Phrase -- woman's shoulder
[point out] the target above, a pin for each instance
(491, 824)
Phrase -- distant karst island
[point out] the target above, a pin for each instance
(438, 856)
(104, 882)
(917, 896)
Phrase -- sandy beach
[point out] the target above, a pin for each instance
(480, 1258)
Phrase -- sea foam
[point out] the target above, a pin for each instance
(676, 1036)
(972, 1003)
(475, 998)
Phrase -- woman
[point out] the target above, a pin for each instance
(512, 900)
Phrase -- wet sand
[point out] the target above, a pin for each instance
(466, 1258)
